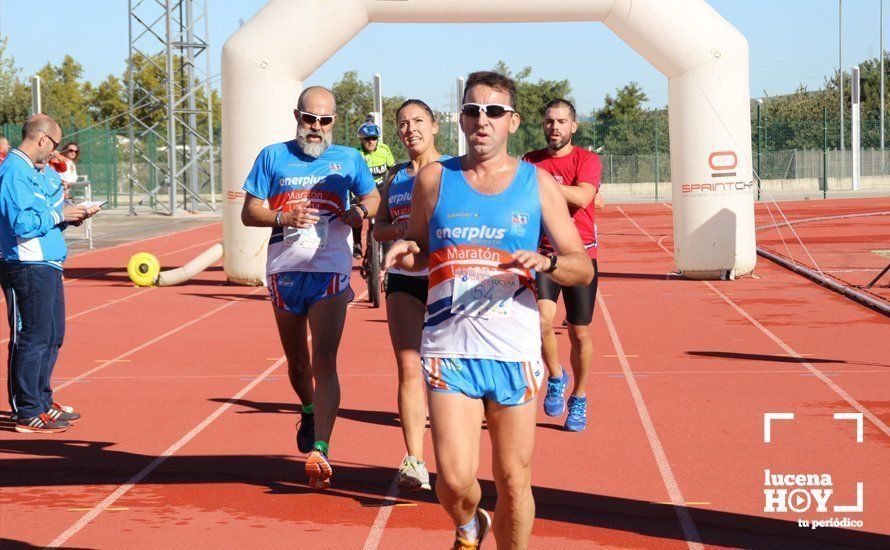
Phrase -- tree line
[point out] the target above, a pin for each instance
(77, 103)
(622, 125)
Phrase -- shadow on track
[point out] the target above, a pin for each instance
(67, 462)
(779, 358)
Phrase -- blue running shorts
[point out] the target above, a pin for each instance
(296, 291)
(503, 382)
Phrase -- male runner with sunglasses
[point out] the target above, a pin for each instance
(305, 182)
(578, 173)
(475, 222)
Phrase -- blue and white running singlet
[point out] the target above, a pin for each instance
(477, 306)
(282, 174)
(400, 191)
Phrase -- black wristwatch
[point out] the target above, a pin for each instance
(363, 209)
(552, 267)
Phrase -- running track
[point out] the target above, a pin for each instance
(187, 436)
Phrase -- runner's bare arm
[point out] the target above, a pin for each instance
(384, 229)
(598, 201)
(354, 217)
(578, 195)
(412, 253)
(573, 265)
(255, 214)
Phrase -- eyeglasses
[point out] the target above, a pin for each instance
(370, 138)
(491, 110)
(54, 142)
(311, 118)
(75, 151)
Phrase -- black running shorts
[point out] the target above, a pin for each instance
(413, 286)
(579, 300)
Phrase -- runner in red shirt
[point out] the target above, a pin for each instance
(578, 171)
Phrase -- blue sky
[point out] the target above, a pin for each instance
(792, 42)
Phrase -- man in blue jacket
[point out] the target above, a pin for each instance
(32, 217)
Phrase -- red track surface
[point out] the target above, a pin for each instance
(188, 438)
(851, 248)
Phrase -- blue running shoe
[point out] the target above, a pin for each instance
(554, 403)
(576, 421)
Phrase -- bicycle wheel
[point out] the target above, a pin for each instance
(374, 259)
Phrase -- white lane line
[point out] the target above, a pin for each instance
(781, 343)
(171, 450)
(131, 243)
(144, 345)
(382, 517)
(103, 306)
(667, 475)
(806, 364)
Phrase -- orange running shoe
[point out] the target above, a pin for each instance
(319, 470)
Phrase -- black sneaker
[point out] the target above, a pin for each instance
(61, 412)
(41, 424)
(306, 432)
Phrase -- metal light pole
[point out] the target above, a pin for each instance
(171, 121)
(854, 131)
(656, 156)
(840, 62)
(759, 144)
(378, 103)
(882, 83)
(36, 99)
(824, 152)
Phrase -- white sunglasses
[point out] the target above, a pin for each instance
(491, 110)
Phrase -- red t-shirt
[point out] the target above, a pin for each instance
(580, 165)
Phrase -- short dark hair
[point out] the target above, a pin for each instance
(492, 80)
(420, 103)
(38, 124)
(560, 102)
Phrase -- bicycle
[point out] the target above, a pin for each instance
(371, 269)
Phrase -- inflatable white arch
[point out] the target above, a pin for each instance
(703, 56)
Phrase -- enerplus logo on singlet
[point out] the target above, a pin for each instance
(473, 234)
(300, 181)
(400, 197)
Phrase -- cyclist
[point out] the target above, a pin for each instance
(379, 159)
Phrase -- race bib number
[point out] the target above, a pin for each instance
(481, 293)
(313, 237)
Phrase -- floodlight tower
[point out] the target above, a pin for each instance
(170, 105)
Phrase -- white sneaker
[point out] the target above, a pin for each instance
(413, 475)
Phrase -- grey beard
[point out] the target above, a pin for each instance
(313, 150)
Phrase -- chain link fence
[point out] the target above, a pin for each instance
(794, 159)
